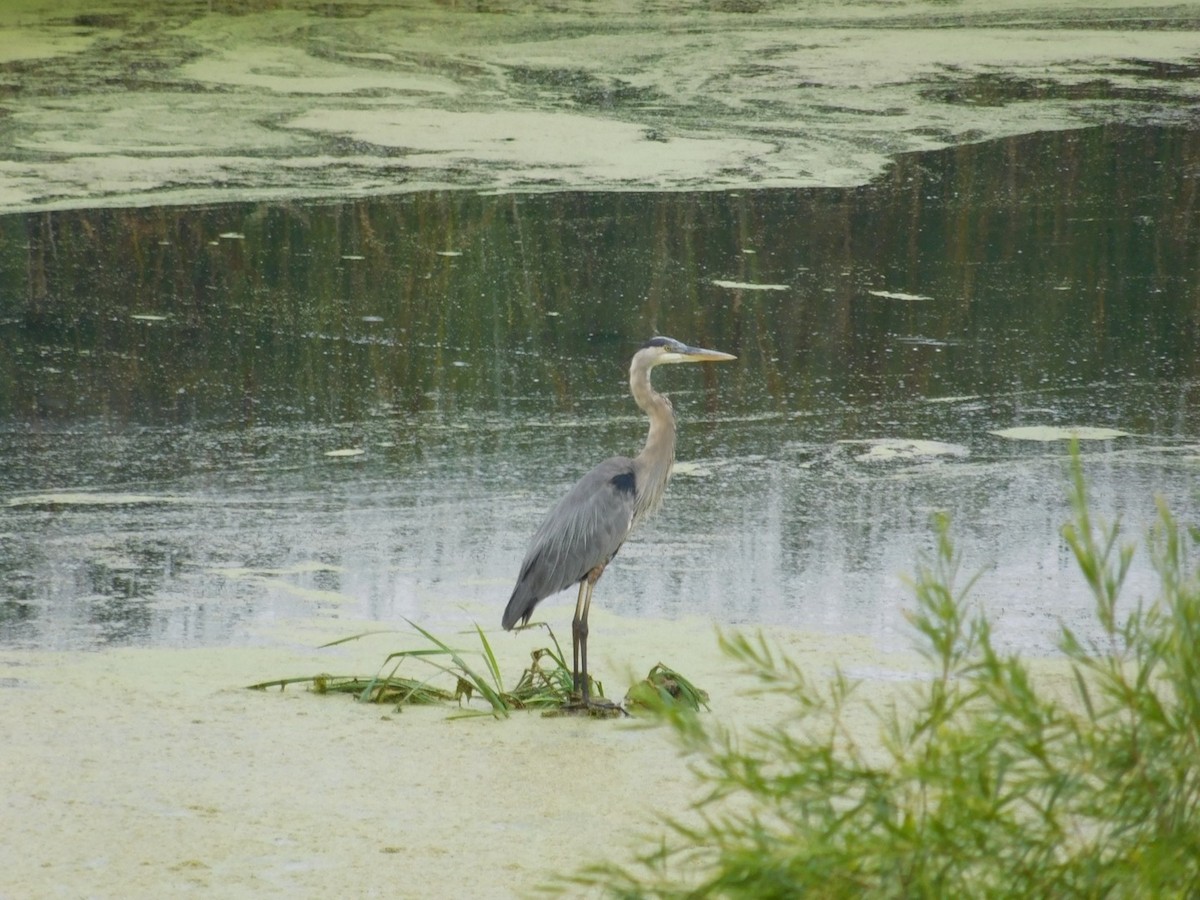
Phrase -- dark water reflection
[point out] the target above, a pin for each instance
(185, 373)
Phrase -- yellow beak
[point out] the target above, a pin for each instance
(696, 354)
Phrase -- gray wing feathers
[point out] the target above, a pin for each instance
(583, 530)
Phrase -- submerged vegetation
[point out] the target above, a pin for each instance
(991, 783)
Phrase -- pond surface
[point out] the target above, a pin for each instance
(218, 420)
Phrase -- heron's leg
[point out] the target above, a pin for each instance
(593, 577)
(580, 617)
(581, 613)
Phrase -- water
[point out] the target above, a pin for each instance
(174, 381)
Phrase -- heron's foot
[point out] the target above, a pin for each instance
(597, 708)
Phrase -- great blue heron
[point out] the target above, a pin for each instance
(583, 531)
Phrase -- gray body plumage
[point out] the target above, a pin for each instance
(585, 529)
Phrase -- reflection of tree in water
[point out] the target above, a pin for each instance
(18, 605)
(1059, 257)
(116, 597)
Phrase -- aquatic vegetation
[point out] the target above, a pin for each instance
(664, 688)
(1049, 433)
(399, 691)
(749, 286)
(990, 784)
(546, 684)
(483, 680)
(904, 449)
(898, 295)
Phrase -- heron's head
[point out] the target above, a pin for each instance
(660, 350)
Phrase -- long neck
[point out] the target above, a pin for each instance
(653, 464)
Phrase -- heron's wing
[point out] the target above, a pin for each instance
(583, 530)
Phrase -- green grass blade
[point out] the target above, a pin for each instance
(355, 637)
(490, 658)
(489, 693)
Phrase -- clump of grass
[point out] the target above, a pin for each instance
(488, 684)
(546, 684)
(664, 688)
(537, 687)
(989, 785)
